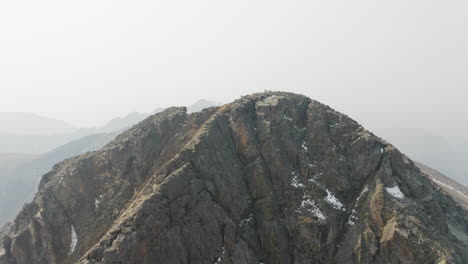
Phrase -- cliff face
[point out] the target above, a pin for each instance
(270, 178)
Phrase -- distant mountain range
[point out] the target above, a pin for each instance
(200, 105)
(32, 134)
(9, 161)
(25, 141)
(32, 124)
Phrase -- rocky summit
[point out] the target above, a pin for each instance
(273, 178)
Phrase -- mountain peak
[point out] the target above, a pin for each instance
(272, 177)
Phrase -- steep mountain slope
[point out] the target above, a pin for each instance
(19, 183)
(271, 178)
(20, 173)
(458, 191)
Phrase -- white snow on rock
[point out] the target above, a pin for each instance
(309, 206)
(312, 180)
(220, 257)
(246, 221)
(395, 192)
(97, 201)
(74, 240)
(304, 146)
(295, 182)
(287, 118)
(353, 218)
(331, 199)
(364, 191)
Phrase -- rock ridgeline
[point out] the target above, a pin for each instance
(457, 191)
(270, 178)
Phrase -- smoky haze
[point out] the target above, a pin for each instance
(398, 67)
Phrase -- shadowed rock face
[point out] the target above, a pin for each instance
(270, 178)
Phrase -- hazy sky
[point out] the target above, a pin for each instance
(88, 61)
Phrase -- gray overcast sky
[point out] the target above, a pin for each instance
(88, 61)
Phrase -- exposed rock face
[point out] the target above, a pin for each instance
(19, 185)
(271, 178)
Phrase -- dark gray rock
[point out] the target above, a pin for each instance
(270, 178)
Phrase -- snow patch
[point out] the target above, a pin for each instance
(331, 199)
(287, 118)
(304, 146)
(381, 150)
(353, 218)
(97, 201)
(364, 191)
(74, 240)
(295, 182)
(246, 221)
(312, 180)
(395, 192)
(309, 206)
(220, 257)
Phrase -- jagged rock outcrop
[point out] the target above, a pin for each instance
(270, 178)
